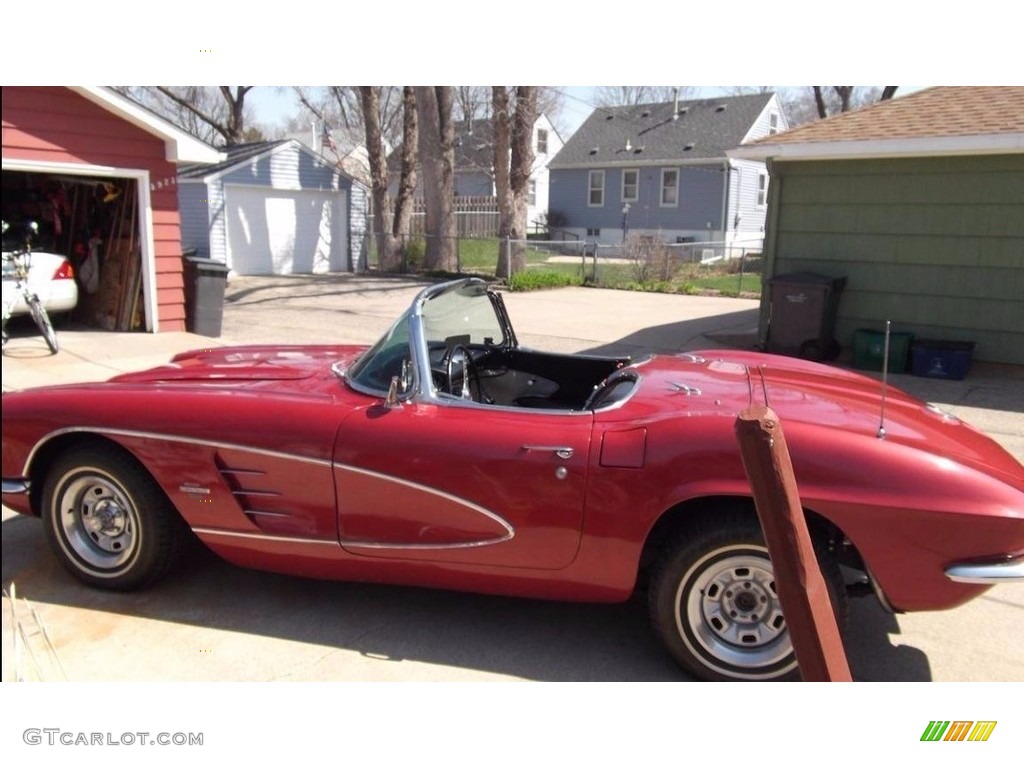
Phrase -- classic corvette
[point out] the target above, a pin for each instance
(447, 455)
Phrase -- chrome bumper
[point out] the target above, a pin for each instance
(987, 573)
(15, 485)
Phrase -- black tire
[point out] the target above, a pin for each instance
(713, 602)
(108, 522)
(42, 319)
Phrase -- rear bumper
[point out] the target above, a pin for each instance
(990, 572)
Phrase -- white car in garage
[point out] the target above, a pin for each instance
(51, 276)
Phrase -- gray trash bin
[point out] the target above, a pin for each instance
(803, 308)
(205, 281)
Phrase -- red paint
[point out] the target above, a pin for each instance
(934, 491)
(55, 124)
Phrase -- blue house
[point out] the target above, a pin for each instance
(661, 171)
(274, 207)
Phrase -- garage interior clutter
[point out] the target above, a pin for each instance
(94, 222)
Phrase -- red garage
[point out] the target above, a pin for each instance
(99, 173)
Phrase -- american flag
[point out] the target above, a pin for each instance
(327, 139)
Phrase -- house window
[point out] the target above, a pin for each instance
(669, 187)
(762, 189)
(773, 123)
(531, 196)
(542, 141)
(595, 197)
(593, 232)
(630, 185)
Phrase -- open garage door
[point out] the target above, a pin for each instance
(283, 232)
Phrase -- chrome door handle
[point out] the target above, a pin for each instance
(563, 452)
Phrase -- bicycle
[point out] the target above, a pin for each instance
(20, 261)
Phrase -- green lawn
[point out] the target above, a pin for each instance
(480, 256)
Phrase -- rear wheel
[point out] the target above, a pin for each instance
(714, 603)
(107, 521)
(42, 319)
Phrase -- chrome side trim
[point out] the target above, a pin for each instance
(194, 489)
(509, 530)
(16, 486)
(987, 573)
(261, 537)
(262, 513)
(242, 472)
(244, 492)
(359, 544)
(173, 439)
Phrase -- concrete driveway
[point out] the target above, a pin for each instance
(212, 621)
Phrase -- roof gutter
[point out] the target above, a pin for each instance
(983, 144)
(666, 162)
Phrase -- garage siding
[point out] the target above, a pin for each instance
(934, 244)
(54, 124)
(288, 172)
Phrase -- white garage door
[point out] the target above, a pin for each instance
(280, 232)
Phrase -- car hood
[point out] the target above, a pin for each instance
(287, 367)
(815, 396)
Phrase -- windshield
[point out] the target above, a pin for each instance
(373, 371)
(464, 316)
(453, 313)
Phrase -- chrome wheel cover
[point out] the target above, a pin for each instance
(728, 613)
(98, 522)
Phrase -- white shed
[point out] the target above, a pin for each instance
(274, 208)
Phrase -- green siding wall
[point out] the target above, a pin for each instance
(934, 244)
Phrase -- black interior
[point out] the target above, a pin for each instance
(529, 379)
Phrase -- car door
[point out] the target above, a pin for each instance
(455, 483)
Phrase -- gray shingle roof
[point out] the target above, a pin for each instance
(233, 156)
(474, 147)
(647, 132)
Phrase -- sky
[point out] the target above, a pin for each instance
(274, 105)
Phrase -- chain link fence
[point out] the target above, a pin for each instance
(640, 263)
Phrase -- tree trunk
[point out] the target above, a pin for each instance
(235, 129)
(502, 174)
(819, 101)
(845, 92)
(407, 180)
(888, 92)
(522, 166)
(513, 164)
(388, 258)
(437, 158)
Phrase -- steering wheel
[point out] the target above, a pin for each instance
(460, 370)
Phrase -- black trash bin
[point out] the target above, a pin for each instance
(803, 309)
(205, 281)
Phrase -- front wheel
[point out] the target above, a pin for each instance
(108, 522)
(35, 306)
(714, 603)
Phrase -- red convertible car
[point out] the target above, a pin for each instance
(447, 455)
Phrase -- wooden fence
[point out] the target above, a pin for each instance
(475, 216)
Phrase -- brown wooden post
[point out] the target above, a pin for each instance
(802, 592)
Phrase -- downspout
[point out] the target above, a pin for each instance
(771, 240)
(726, 172)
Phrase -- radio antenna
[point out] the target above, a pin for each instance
(885, 381)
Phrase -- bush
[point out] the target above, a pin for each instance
(535, 281)
(415, 252)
